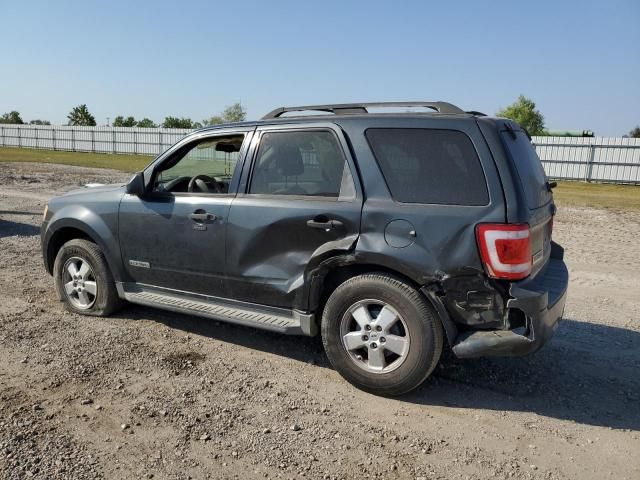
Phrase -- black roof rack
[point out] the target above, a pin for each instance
(347, 108)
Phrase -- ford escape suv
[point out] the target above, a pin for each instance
(388, 234)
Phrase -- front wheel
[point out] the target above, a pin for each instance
(83, 280)
(381, 334)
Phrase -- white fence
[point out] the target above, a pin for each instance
(600, 159)
(134, 140)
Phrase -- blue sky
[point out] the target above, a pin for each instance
(578, 60)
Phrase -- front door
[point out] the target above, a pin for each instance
(299, 205)
(174, 236)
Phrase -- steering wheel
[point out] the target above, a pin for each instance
(199, 183)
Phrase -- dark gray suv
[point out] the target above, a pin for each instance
(387, 233)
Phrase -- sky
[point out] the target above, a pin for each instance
(578, 60)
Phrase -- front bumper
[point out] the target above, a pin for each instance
(541, 300)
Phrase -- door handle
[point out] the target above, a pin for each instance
(323, 224)
(202, 217)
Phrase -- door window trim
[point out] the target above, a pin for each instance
(252, 157)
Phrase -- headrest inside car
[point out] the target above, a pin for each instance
(288, 159)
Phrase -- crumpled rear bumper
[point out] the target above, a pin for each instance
(542, 301)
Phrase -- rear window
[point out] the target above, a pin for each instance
(429, 166)
(529, 167)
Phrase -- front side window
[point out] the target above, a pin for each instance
(206, 166)
(307, 163)
(429, 166)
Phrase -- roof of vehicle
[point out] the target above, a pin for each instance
(343, 110)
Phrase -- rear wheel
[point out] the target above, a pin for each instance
(83, 280)
(380, 334)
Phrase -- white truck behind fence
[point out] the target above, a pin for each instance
(600, 159)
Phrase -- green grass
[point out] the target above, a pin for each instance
(125, 163)
(598, 195)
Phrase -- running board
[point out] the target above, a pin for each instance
(290, 322)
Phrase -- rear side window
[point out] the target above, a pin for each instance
(530, 170)
(429, 166)
(307, 163)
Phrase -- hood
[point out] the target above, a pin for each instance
(94, 188)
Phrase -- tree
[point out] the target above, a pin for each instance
(39, 122)
(120, 121)
(524, 112)
(11, 117)
(233, 113)
(215, 120)
(175, 122)
(80, 116)
(146, 123)
(635, 133)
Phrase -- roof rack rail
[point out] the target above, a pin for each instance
(353, 108)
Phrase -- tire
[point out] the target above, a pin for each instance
(381, 366)
(92, 288)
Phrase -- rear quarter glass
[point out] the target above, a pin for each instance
(528, 166)
(430, 166)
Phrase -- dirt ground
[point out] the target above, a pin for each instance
(151, 394)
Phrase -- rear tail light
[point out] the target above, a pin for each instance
(505, 250)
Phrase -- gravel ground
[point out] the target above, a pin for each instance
(151, 394)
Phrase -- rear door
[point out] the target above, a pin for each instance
(297, 205)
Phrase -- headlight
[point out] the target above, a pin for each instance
(44, 214)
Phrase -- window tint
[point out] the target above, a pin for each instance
(214, 157)
(301, 163)
(530, 171)
(429, 166)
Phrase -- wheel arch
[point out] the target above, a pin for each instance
(337, 271)
(69, 229)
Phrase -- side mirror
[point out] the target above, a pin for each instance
(136, 184)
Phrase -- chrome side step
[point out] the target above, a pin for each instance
(290, 322)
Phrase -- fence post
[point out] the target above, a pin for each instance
(19, 136)
(93, 140)
(53, 137)
(135, 141)
(160, 142)
(592, 156)
(2, 134)
(36, 130)
(73, 139)
(113, 140)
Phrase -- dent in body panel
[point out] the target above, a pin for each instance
(271, 261)
(468, 295)
(296, 287)
(444, 258)
(473, 300)
(460, 296)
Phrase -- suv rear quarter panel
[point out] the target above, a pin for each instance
(444, 250)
